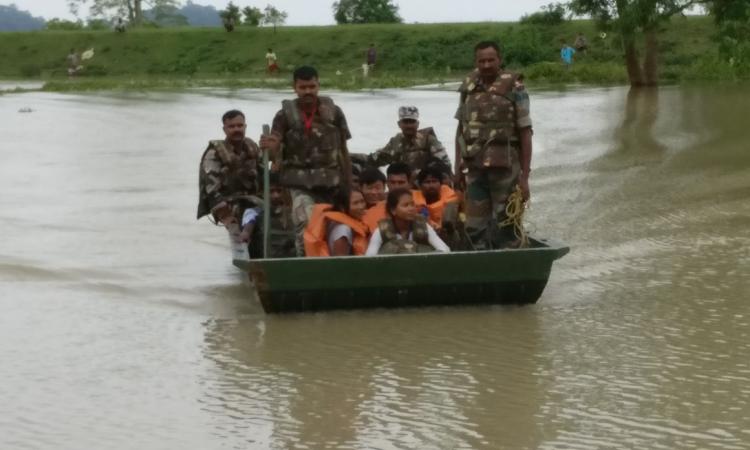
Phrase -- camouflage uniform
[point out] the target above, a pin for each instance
(311, 161)
(415, 152)
(229, 174)
(491, 118)
(281, 237)
(393, 245)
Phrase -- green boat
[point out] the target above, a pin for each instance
(510, 276)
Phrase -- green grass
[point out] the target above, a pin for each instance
(407, 55)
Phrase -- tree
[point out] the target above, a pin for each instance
(633, 18)
(365, 11)
(231, 14)
(733, 20)
(132, 9)
(272, 16)
(253, 16)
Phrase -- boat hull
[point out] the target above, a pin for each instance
(513, 276)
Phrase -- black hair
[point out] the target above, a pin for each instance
(274, 179)
(305, 73)
(231, 114)
(399, 168)
(371, 175)
(487, 44)
(393, 198)
(342, 199)
(355, 170)
(431, 170)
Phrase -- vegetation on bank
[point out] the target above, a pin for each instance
(407, 54)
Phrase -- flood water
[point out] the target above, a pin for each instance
(123, 324)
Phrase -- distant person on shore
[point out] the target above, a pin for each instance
(372, 56)
(271, 64)
(74, 62)
(308, 140)
(120, 25)
(566, 54)
(581, 44)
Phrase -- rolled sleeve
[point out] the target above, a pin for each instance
(342, 124)
(523, 116)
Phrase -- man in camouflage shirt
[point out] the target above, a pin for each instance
(412, 146)
(308, 141)
(229, 174)
(493, 146)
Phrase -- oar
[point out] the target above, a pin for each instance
(266, 195)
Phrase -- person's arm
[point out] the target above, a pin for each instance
(376, 241)
(437, 150)
(340, 240)
(523, 123)
(341, 247)
(272, 141)
(381, 157)
(436, 242)
(459, 181)
(214, 186)
(346, 162)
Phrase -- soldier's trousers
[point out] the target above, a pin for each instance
(487, 190)
(303, 201)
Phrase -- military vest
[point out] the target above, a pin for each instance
(238, 175)
(414, 153)
(489, 118)
(395, 245)
(311, 158)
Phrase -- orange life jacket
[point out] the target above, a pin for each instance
(374, 215)
(435, 210)
(316, 232)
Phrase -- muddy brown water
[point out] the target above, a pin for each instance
(123, 324)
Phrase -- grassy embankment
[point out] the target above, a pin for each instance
(408, 55)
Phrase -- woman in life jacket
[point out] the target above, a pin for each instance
(403, 230)
(337, 229)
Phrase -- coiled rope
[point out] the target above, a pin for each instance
(515, 207)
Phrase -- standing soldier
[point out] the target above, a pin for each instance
(308, 140)
(493, 143)
(411, 146)
(229, 173)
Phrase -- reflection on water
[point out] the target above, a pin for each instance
(123, 324)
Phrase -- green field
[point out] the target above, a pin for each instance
(407, 54)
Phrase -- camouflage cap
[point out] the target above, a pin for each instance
(408, 112)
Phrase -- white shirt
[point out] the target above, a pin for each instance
(376, 241)
(337, 232)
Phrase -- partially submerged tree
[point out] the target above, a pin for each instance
(365, 11)
(633, 19)
(273, 16)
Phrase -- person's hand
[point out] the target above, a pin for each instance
(270, 142)
(245, 236)
(523, 183)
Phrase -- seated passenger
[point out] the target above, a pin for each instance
(337, 230)
(398, 178)
(404, 231)
(433, 198)
(372, 181)
(281, 235)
